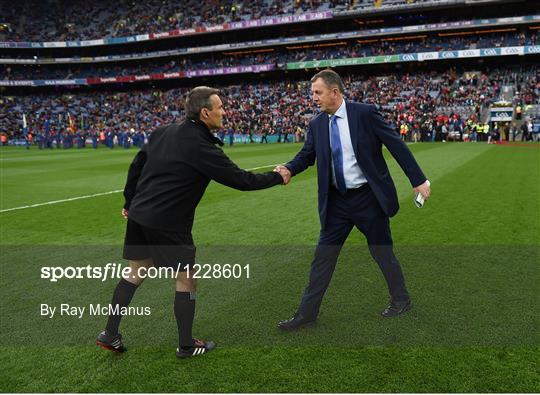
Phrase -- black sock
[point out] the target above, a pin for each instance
(184, 311)
(122, 296)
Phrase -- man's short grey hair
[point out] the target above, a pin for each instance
(197, 99)
(331, 79)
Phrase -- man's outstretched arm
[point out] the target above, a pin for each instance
(217, 166)
(302, 160)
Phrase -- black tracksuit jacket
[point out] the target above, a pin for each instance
(169, 175)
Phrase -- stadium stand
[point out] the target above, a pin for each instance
(278, 56)
(80, 20)
(282, 106)
(391, 66)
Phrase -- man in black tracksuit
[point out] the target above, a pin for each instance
(166, 181)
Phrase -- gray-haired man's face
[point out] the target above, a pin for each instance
(327, 98)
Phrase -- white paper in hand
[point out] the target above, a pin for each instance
(419, 198)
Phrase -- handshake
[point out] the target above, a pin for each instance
(284, 172)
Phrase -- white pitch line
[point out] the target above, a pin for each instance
(89, 196)
(61, 201)
(263, 167)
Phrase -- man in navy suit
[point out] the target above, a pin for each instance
(355, 189)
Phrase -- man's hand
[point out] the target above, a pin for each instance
(124, 213)
(284, 172)
(424, 189)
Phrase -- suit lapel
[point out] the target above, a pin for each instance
(325, 138)
(323, 149)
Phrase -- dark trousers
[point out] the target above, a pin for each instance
(358, 207)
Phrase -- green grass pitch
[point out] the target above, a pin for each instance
(470, 257)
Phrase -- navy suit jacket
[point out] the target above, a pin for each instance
(369, 131)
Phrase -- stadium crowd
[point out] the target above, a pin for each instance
(419, 103)
(83, 20)
(277, 57)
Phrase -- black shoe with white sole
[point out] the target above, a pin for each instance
(111, 342)
(200, 347)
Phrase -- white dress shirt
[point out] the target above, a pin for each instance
(354, 177)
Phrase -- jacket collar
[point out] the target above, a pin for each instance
(342, 110)
(346, 108)
(206, 132)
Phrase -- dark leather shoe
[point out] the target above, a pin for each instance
(396, 308)
(296, 322)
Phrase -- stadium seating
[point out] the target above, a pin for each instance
(80, 20)
(278, 56)
(275, 107)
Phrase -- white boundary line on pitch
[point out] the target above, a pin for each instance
(90, 196)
